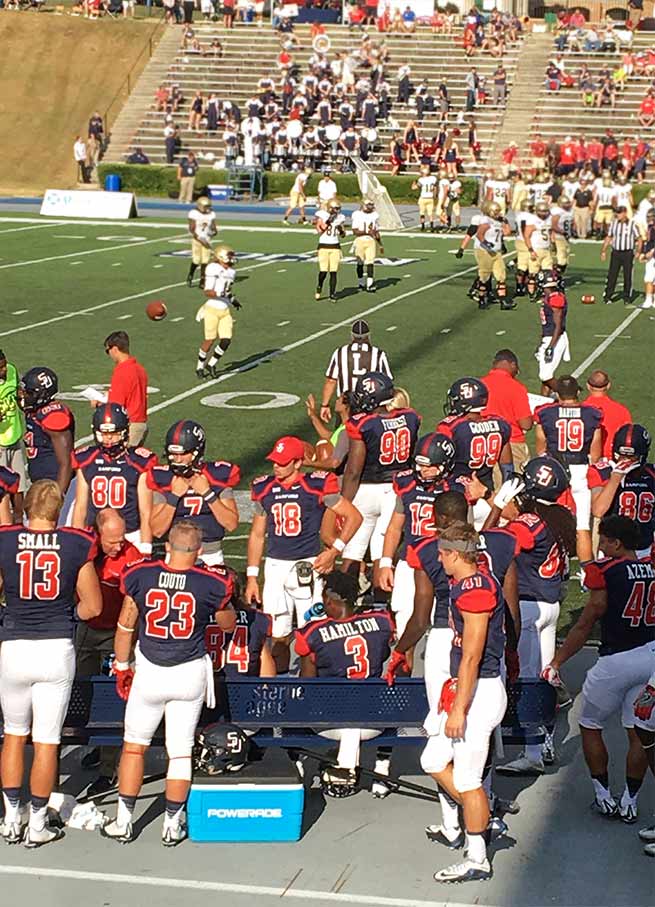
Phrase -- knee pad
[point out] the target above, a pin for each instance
(224, 343)
(179, 768)
(501, 289)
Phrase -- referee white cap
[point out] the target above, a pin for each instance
(360, 328)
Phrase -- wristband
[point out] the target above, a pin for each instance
(121, 665)
(325, 404)
(339, 544)
(172, 499)
(385, 562)
(125, 629)
(252, 571)
(209, 496)
(145, 547)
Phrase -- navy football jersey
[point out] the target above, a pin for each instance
(294, 512)
(40, 570)
(389, 438)
(238, 653)
(478, 445)
(497, 549)
(552, 301)
(222, 477)
(416, 501)
(175, 608)
(355, 647)
(634, 498)
(540, 562)
(629, 621)
(9, 482)
(569, 430)
(113, 481)
(425, 556)
(41, 459)
(478, 593)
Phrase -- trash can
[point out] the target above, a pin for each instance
(112, 182)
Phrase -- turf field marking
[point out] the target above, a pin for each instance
(129, 245)
(607, 342)
(20, 312)
(282, 324)
(392, 327)
(264, 891)
(34, 227)
(124, 317)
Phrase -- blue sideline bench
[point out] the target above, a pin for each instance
(284, 711)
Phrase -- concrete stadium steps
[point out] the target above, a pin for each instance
(250, 53)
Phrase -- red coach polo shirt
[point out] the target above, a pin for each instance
(615, 415)
(508, 398)
(109, 570)
(129, 387)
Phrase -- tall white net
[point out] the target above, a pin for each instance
(373, 190)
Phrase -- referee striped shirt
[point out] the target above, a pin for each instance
(623, 235)
(351, 361)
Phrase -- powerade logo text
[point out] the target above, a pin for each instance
(244, 813)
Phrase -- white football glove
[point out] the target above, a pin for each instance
(551, 675)
(507, 492)
(624, 465)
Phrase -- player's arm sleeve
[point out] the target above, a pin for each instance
(57, 421)
(522, 534)
(302, 645)
(477, 601)
(594, 577)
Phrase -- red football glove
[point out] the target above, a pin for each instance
(551, 675)
(644, 703)
(447, 695)
(124, 682)
(398, 664)
(512, 665)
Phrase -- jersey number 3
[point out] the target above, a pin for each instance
(159, 604)
(46, 564)
(358, 648)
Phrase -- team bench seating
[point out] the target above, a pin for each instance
(285, 711)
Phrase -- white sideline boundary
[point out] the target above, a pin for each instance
(607, 342)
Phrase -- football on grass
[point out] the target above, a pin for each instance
(156, 310)
(588, 299)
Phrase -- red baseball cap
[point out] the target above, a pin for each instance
(287, 449)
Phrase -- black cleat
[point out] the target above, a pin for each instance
(201, 373)
(507, 305)
(435, 833)
(189, 282)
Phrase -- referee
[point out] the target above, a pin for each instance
(625, 238)
(349, 362)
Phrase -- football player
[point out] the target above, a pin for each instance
(297, 197)
(544, 531)
(625, 485)
(413, 518)
(382, 442)
(481, 441)
(216, 313)
(367, 245)
(452, 211)
(427, 186)
(603, 202)
(622, 592)
(523, 217)
(473, 700)
(193, 489)
(623, 197)
(349, 644)
(109, 474)
(644, 708)
(202, 227)
(330, 228)
(538, 233)
(488, 244)
(443, 188)
(9, 485)
(569, 431)
(554, 346)
(43, 569)
(167, 609)
(470, 234)
(49, 427)
(648, 256)
(497, 191)
(289, 509)
(562, 223)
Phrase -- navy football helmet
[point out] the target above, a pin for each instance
(220, 748)
(631, 440)
(372, 390)
(466, 395)
(185, 437)
(434, 449)
(37, 387)
(545, 479)
(110, 418)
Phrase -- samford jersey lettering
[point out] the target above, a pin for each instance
(416, 501)
(294, 512)
(355, 647)
(634, 498)
(39, 570)
(9, 482)
(478, 594)
(41, 459)
(629, 621)
(497, 549)
(237, 654)
(539, 563)
(477, 445)
(552, 301)
(222, 478)
(113, 481)
(569, 430)
(389, 438)
(425, 556)
(175, 608)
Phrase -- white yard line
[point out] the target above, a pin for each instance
(130, 245)
(260, 891)
(608, 341)
(41, 226)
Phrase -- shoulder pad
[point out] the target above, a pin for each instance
(259, 480)
(83, 455)
(159, 477)
(529, 519)
(449, 420)
(318, 474)
(144, 452)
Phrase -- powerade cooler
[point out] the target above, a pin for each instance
(263, 802)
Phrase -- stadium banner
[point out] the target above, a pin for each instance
(77, 203)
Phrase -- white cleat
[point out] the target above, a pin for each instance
(468, 871)
(172, 835)
(380, 790)
(628, 813)
(124, 834)
(12, 832)
(649, 850)
(607, 807)
(37, 838)
(521, 766)
(647, 834)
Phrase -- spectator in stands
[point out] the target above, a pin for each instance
(592, 41)
(228, 13)
(412, 140)
(405, 87)
(538, 153)
(642, 155)
(474, 146)
(577, 19)
(79, 154)
(96, 127)
(188, 6)
(409, 20)
(647, 109)
(196, 111)
(553, 80)
(499, 93)
(606, 94)
(610, 152)
(396, 153)
(471, 82)
(171, 141)
(508, 157)
(162, 98)
(128, 8)
(137, 157)
(93, 149)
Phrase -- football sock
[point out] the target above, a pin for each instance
(202, 359)
(38, 810)
(321, 279)
(632, 786)
(476, 847)
(360, 270)
(333, 282)
(173, 811)
(216, 355)
(11, 797)
(601, 786)
(649, 299)
(192, 270)
(125, 809)
(369, 275)
(449, 815)
(203, 268)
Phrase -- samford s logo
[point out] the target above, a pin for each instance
(244, 813)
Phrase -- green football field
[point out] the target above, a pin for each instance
(66, 284)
